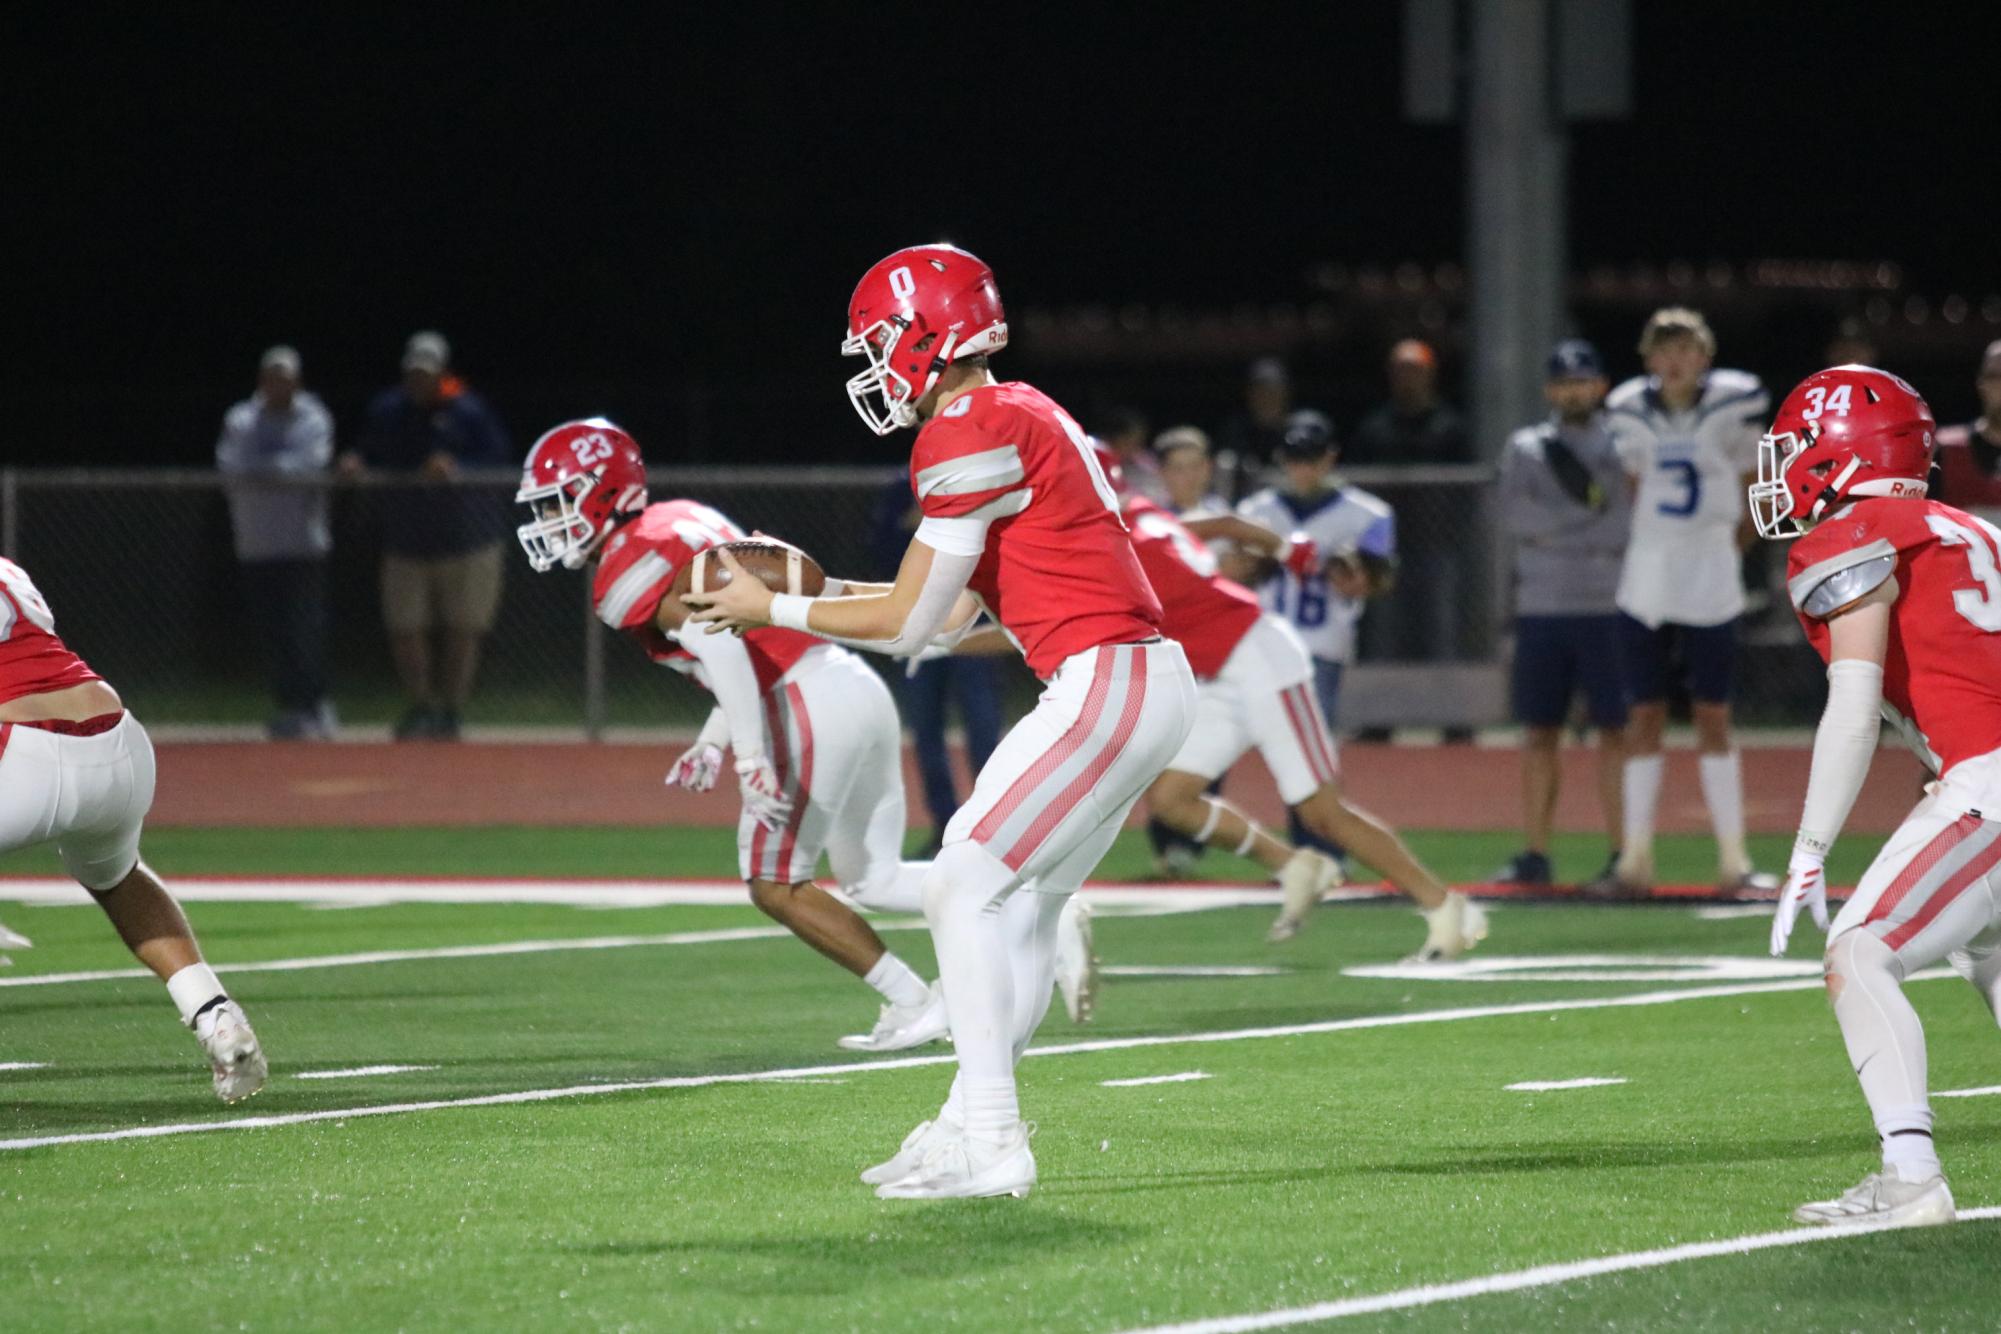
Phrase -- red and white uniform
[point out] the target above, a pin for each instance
(1930, 889)
(85, 786)
(1059, 574)
(825, 719)
(1254, 674)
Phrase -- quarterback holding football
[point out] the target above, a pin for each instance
(1019, 521)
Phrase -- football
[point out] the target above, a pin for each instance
(780, 566)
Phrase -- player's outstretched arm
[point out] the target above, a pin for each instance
(921, 603)
(1843, 746)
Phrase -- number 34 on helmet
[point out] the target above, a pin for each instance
(1843, 433)
(913, 314)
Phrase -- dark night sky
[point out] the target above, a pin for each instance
(601, 212)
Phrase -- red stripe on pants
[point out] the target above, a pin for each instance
(1055, 757)
(1919, 866)
(1977, 866)
(804, 722)
(1322, 738)
(1080, 786)
(1302, 730)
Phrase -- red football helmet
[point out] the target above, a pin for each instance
(1846, 431)
(912, 315)
(1109, 465)
(578, 478)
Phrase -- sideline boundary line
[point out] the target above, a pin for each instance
(1521, 1280)
(1634, 1001)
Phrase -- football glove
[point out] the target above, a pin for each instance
(1806, 886)
(762, 795)
(698, 767)
(1300, 556)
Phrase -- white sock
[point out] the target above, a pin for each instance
(963, 900)
(954, 1109)
(1886, 1047)
(896, 983)
(1642, 795)
(192, 988)
(1723, 793)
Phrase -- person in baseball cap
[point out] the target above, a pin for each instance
(1968, 471)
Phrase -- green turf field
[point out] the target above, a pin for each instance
(1329, 1161)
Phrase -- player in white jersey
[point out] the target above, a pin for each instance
(1356, 534)
(76, 770)
(1688, 435)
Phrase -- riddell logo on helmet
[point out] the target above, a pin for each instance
(1902, 489)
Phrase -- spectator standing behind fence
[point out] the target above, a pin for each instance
(1969, 457)
(1415, 425)
(441, 568)
(273, 454)
(1689, 436)
(1187, 471)
(1355, 533)
(928, 688)
(1250, 439)
(1565, 503)
(1123, 431)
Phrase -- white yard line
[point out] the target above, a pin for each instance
(1552, 1085)
(390, 891)
(1638, 1000)
(24, 1065)
(361, 1071)
(1985, 1091)
(441, 952)
(1190, 970)
(1185, 1077)
(1519, 1280)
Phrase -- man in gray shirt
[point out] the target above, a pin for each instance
(273, 453)
(1566, 503)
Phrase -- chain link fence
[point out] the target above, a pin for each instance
(141, 571)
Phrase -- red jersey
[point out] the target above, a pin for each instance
(32, 660)
(1058, 571)
(1968, 476)
(1205, 611)
(638, 567)
(1942, 673)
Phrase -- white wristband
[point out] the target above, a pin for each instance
(788, 611)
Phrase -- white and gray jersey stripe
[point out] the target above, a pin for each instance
(626, 590)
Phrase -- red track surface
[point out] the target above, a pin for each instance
(1414, 787)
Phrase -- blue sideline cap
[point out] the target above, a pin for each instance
(1575, 359)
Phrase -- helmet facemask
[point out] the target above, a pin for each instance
(1771, 499)
(886, 399)
(558, 532)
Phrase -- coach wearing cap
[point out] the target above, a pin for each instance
(1565, 502)
(441, 561)
(273, 454)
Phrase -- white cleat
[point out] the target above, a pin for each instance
(1883, 1199)
(232, 1050)
(964, 1168)
(1076, 965)
(1306, 875)
(10, 939)
(916, 1145)
(1456, 925)
(901, 1026)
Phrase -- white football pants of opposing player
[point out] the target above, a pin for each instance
(1042, 814)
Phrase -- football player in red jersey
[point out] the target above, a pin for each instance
(1018, 512)
(1901, 596)
(76, 770)
(1256, 689)
(818, 747)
